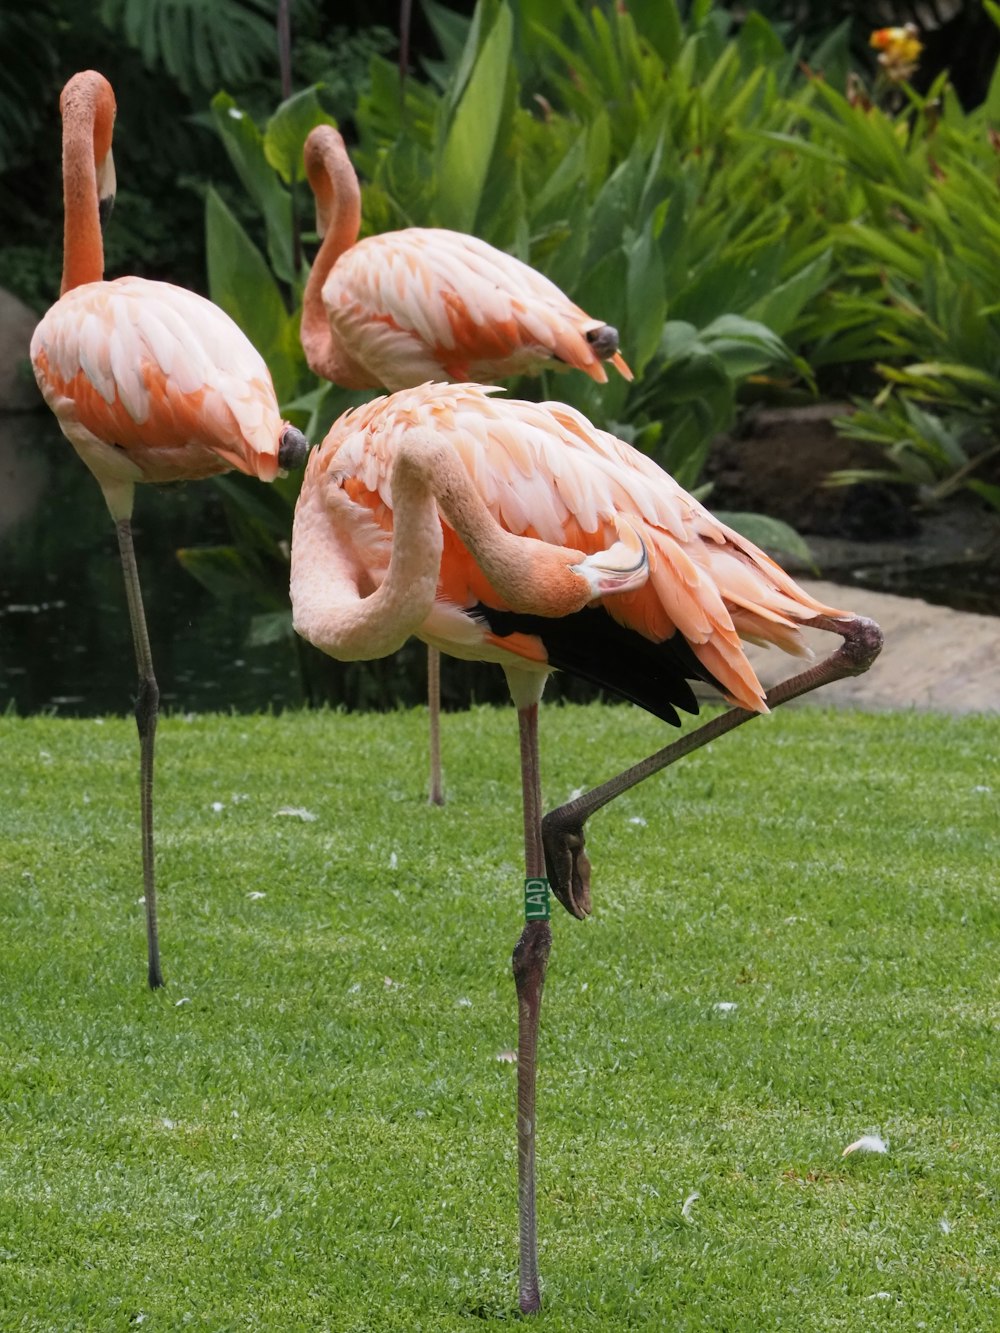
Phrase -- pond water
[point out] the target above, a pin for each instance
(65, 642)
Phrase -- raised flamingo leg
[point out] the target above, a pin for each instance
(436, 791)
(146, 710)
(531, 956)
(562, 829)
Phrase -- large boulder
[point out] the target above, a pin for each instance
(18, 391)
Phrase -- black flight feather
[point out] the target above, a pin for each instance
(592, 645)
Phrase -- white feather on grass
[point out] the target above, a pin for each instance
(866, 1143)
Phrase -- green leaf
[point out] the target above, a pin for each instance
(240, 282)
(744, 346)
(659, 22)
(286, 132)
(270, 627)
(770, 533)
(781, 307)
(472, 132)
(759, 44)
(987, 490)
(200, 43)
(244, 144)
(451, 30)
(223, 570)
(646, 300)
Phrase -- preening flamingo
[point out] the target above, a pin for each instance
(395, 310)
(518, 533)
(149, 382)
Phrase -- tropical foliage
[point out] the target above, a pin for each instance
(920, 291)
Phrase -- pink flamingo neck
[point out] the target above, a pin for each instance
(338, 219)
(88, 112)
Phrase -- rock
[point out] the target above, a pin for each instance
(18, 391)
(934, 658)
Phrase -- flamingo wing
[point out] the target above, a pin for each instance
(414, 305)
(545, 471)
(162, 375)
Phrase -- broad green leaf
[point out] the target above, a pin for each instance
(286, 132)
(600, 290)
(240, 282)
(659, 22)
(646, 302)
(472, 131)
(244, 144)
(484, 18)
(678, 339)
(451, 30)
(550, 200)
(781, 307)
(270, 627)
(987, 490)
(832, 58)
(743, 347)
(770, 533)
(222, 570)
(759, 44)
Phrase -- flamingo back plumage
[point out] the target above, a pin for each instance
(160, 374)
(544, 471)
(425, 303)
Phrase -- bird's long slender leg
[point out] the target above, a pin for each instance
(436, 791)
(562, 829)
(531, 956)
(146, 711)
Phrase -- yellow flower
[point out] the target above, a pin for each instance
(899, 50)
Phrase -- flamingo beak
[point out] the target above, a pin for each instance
(106, 185)
(292, 449)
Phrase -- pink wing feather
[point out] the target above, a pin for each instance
(160, 373)
(411, 306)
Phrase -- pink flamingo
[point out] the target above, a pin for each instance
(518, 533)
(398, 309)
(149, 382)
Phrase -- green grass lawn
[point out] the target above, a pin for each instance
(309, 1126)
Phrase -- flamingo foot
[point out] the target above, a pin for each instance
(567, 864)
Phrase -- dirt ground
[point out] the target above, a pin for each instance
(872, 541)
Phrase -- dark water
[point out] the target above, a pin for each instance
(65, 642)
(962, 585)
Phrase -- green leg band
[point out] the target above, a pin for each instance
(536, 900)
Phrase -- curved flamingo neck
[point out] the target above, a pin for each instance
(88, 111)
(338, 217)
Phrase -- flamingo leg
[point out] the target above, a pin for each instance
(436, 791)
(530, 959)
(146, 711)
(562, 829)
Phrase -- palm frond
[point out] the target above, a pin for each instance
(203, 44)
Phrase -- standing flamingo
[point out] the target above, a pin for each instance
(149, 382)
(518, 533)
(398, 309)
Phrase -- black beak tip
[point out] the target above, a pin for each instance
(604, 340)
(293, 448)
(104, 207)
